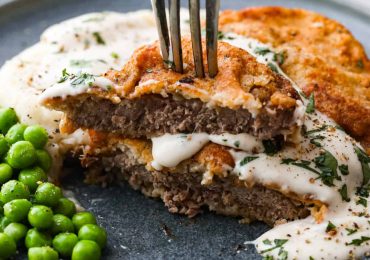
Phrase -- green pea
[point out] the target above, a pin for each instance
(4, 146)
(48, 194)
(42, 253)
(17, 231)
(83, 218)
(17, 210)
(43, 160)
(40, 217)
(6, 173)
(7, 246)
(4, 222)
(32, 177)
(94, 233)
(36, 238)
(61, 224)
(86, 250)
(21, 155)
(65, 207)
(8, 117)
(15, 133)
(14, 190)
(37, 135)
(64, 243)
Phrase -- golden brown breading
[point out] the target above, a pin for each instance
(241, 81)
(322, 57)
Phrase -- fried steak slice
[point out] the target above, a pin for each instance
(111, 159)
(150, 100)
(321, 56)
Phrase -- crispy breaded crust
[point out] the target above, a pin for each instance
(240, 83)
(322, 57)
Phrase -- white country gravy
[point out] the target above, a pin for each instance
(323, 163)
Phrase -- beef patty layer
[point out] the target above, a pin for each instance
(153, 115)
(182, 191)
(148, 99)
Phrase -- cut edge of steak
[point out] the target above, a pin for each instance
(183, 193)
(153, 115)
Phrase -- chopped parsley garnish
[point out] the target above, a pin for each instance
(279, 58)
(224, 140)
(328, 165)
(114, 55)
(359, 241)
(237, 144)
(283, 254)
(311, 104)
(330, 227)
(321, 128)
(222, 36)
(98, 38)
(344, 193)
(64, 77)
(365, 160)
(247, 159)
(82, 79)
(80, 63)
(311, 258)
(350, 231)
(273, 67)
(262, 50)
(278, 243)
(362, 201)
(314, 139)
(363, 191)
(343, 169)
(267, 242)
(302, 163)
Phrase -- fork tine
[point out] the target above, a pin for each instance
(212, 10)
(159, 10)
(175, 34)
(196, 37)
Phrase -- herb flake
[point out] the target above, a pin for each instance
(311, 104)
(343, 193)
(278, 243)
(98, 38)
(362, 201)
(359, 241)
(343, 169)
(247, 159)
(350, 231)
(330, 227)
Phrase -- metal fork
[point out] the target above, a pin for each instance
(173, 56)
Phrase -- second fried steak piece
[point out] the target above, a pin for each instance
(182, 189)
(150, 100)
(321, 56)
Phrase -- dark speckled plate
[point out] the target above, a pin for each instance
(141, 228)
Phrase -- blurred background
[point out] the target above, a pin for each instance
(36, 15)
